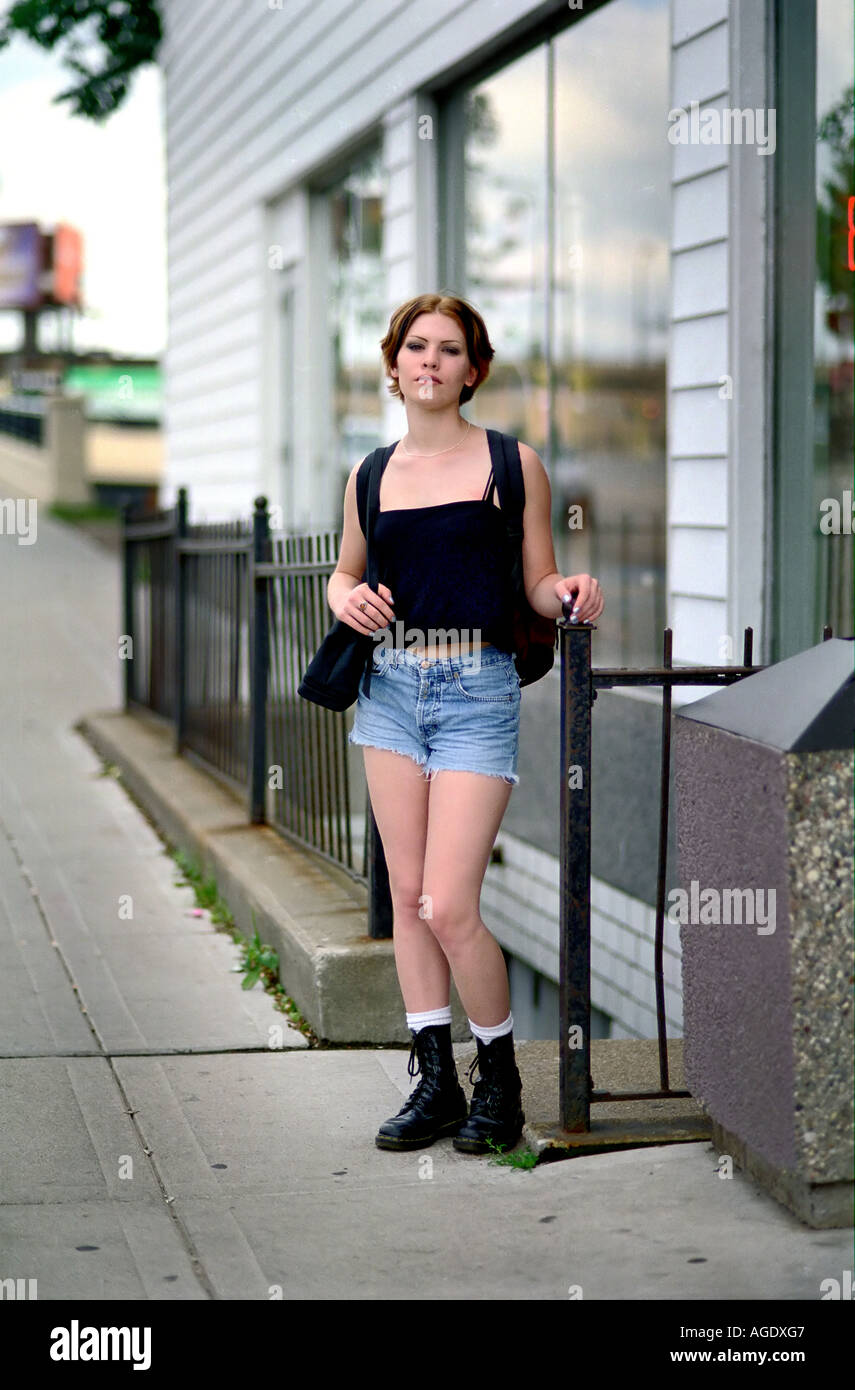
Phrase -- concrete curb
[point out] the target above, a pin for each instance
(343, 981)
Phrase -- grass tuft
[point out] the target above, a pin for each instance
(259, 961)
(525, 1160)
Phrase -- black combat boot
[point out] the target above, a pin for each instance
(438, 1104)
(496, 1109)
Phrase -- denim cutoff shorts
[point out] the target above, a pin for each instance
(458, 713)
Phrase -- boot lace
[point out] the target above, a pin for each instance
(488, 1095)
(424, 1087)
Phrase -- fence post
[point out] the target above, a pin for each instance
(379, 896)
(259, 665)
(574, 1047)
(179, 664)
(128, 601)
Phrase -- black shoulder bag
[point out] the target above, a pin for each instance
(333, 675)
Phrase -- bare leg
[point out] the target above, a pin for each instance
(465, 811)
(399, 799)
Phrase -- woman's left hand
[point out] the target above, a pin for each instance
(589, 601)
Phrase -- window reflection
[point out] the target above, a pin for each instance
(833, 311)
(355, 306)
(505, 229)
(610, 310)
(567, 222)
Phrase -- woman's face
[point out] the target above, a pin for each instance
(433, 364)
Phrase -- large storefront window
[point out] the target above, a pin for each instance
(355, 313)
(833, 316)
(506, 200)
(566, 222)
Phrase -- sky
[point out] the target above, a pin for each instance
(107, 180)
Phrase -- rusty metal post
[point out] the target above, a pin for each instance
(129, 572)
(664, 802)
(259, 662)
(179, 570)
(380, 914)
(577, 696)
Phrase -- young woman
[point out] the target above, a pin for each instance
(440, 728)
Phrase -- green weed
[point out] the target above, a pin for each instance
(258, 960)
(525, 1160)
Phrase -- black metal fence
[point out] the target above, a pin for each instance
(23, 417)
(224, 618)
(313, 797)
(148, 548)
(579, 686)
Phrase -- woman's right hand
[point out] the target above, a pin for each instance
(377, 612)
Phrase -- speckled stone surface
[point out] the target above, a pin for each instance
(821, 820)
(737, 1012)
(768, 1015)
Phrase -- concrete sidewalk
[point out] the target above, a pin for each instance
(153, 1145)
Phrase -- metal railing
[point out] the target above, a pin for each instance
(214, 701)
(312, 795)
(148, 552)
(224, 618)
(579, 686)
(23, 417)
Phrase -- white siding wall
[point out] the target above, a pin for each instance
(717, 427)
(520, 905)
(258, 99)
(411, 227)
(698, 357)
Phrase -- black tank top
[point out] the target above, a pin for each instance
(448, 567)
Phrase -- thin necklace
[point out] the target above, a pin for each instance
(439, 451)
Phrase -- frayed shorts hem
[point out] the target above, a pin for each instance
(512, 778)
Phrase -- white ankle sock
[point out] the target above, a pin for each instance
(497, 1031)
(415, 1022)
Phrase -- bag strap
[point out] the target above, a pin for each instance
(507, 470)
(368, 507)
(368, 501)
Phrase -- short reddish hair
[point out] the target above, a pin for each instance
(478, 346)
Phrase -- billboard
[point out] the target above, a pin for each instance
(118, 391)
(66, 266)
(37, 268)
(21, 255)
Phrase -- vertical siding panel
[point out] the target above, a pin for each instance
(698, 349)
